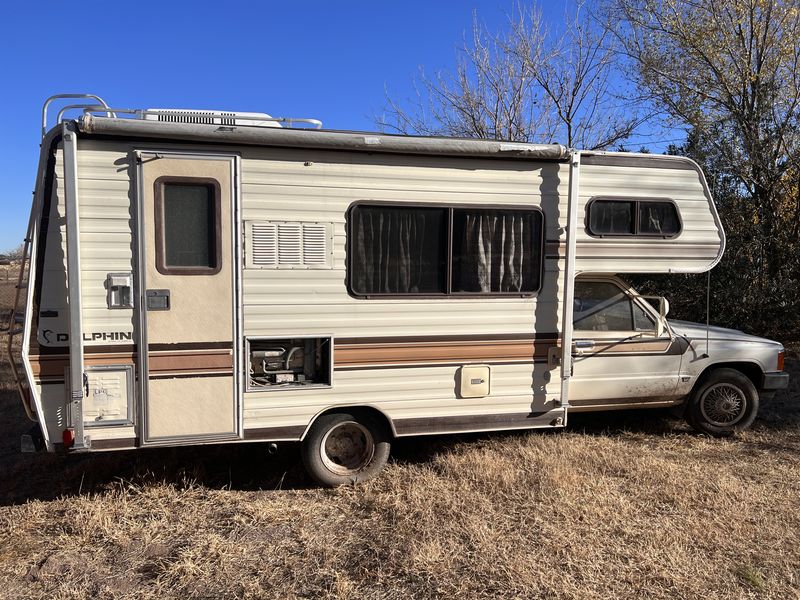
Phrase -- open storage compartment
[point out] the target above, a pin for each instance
(289, 362)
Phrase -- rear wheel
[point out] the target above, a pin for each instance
(723, 403)
(345, 448)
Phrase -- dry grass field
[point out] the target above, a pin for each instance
(621, 505)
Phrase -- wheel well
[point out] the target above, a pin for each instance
(355, 411)
(750, 370)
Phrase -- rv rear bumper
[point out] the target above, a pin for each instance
(775, 381)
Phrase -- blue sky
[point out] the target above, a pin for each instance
(327, 60)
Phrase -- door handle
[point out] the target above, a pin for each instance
(582, 345)
(157, 299)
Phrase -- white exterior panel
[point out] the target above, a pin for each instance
(295, 185)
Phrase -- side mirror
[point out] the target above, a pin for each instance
(663, 310)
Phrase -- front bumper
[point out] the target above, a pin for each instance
(775, 381)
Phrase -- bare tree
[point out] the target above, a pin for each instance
(577, 76)
(525, 84)
(15, 253)
(490, 95)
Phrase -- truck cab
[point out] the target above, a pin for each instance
(627, 354)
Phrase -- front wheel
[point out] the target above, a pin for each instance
(724, 403)
(345, 448)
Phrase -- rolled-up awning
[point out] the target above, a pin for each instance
(320, 139)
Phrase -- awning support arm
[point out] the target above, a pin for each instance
(76, 373)
(569, 277)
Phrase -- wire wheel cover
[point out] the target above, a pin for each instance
(723, 405)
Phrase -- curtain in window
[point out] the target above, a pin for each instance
(658, 218)
(398, 250)
(494, 251)
(608, 217)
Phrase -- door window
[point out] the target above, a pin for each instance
(187, 226)
(603, 306)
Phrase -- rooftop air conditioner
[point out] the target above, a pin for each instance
(209, 117)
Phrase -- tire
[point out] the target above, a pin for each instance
(345, 447)
(723, 403)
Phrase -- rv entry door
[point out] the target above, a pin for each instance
(187, 298)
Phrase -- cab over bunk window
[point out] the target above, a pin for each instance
(443, 251)
(632, 217)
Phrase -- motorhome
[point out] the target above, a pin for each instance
(197, 277)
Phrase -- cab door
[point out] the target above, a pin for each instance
(619, 359)
(188, 256)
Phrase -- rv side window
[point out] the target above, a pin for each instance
(411, 250)
(496, 251)
(637, 217)
(398, 250)
(187, 226)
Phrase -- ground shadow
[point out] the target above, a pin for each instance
(249, 466)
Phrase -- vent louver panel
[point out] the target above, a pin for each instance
(289, 245)
(315, 251)
(205, 117)
(264, 240)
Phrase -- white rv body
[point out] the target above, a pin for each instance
(424, 363)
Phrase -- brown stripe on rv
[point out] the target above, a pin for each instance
(367, 352)
(184, 362)
(199, 360)
(446, 350)
(192, 346)
(350, 353)
(87, 349)
(192, 374)
(104, 349)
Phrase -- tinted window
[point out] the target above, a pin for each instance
(398, 250)
(610, 217)
(415, 250)
(658, 218)
(187, 219)
(496, 250)
(633, 217)
(602, 306)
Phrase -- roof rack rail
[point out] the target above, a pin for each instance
(173, 115)
(50, 100)
(211, 117)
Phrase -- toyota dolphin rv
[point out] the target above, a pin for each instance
(197, 277)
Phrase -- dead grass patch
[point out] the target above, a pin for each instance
(619, 505)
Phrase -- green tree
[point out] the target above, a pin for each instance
(740, 299)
